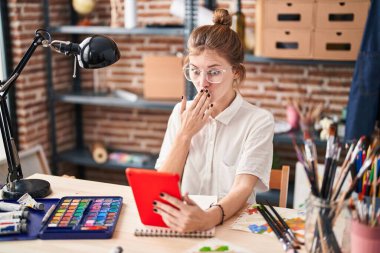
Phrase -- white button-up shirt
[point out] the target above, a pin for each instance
(238, 141)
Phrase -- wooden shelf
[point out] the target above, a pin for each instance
(170, 31)
(102, 99)
(117, 30)
(89, 98)
(258, 59)
(83, 157)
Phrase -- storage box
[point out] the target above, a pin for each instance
(337, 44)
(286, 43)
(288, 14)
(335, 14)
(163, 78)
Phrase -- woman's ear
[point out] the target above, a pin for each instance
(235, 72)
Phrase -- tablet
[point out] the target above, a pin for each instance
(147, 184)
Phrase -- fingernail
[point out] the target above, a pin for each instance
(201, 90)
(211, 105)
(206, 91)
(161, 194)
(155, 210)
(154, 203)
(208, 95)
(182, 98)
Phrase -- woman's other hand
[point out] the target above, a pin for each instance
(195, 117)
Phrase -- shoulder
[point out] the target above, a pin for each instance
(256, 114)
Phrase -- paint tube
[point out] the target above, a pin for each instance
(9, 207)
(13, 228)
(14, 215)
(28, 201)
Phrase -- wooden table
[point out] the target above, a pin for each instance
(128, 221)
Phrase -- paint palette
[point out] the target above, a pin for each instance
(83, 218)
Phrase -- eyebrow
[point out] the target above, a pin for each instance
(210, 66)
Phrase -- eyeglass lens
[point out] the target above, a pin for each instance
(195, 75)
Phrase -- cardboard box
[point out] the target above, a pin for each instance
(346, 14)
(288, 14)
(286, 43)
(163, 78)
(337, 44)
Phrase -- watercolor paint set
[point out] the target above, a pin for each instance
(78, 217)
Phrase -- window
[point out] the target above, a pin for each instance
(2, 74)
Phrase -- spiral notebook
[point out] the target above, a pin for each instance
(203, 201)
(167, 232)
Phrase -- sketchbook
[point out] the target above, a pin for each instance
(203, 201)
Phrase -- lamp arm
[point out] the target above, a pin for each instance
(14, 166)
(38, 40)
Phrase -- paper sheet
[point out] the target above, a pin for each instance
(251, 220)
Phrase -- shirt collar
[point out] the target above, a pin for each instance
(227, 114)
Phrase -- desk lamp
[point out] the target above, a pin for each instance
(93, 52)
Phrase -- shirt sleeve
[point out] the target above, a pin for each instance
(171, 131)
(257, 155)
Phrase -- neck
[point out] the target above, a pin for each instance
(223, 103)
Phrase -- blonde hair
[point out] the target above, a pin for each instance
(220, 38)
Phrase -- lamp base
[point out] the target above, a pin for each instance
(36, 188)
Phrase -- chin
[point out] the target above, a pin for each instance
(213, 99)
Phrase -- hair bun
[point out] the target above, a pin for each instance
(222, 17)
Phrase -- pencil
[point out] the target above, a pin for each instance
(47, 215)
(374, 186)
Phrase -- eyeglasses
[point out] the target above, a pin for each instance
(194, 74)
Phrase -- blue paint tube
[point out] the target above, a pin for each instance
(13, 228)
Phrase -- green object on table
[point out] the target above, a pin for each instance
(217, 249)
(222, 248)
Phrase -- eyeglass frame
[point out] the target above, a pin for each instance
(188, 66)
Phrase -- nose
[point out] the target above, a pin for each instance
(203, 81)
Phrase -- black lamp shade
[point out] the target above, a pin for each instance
(97, 51)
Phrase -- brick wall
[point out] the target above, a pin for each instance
(267, 85)
(25, 17)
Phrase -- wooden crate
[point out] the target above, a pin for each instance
(337, 44)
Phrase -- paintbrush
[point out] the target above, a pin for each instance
(361, 172)
(285, 243)
(284, 224)
(328, 161)
(350, 165)
(281, 228)
(331, 178)
(342, 171)
(308, 172)
(311, 155)
(358, 177)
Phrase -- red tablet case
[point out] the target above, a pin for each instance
(146, 186)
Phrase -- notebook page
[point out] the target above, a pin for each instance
(203, 201)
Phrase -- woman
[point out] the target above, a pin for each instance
(219, 143)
